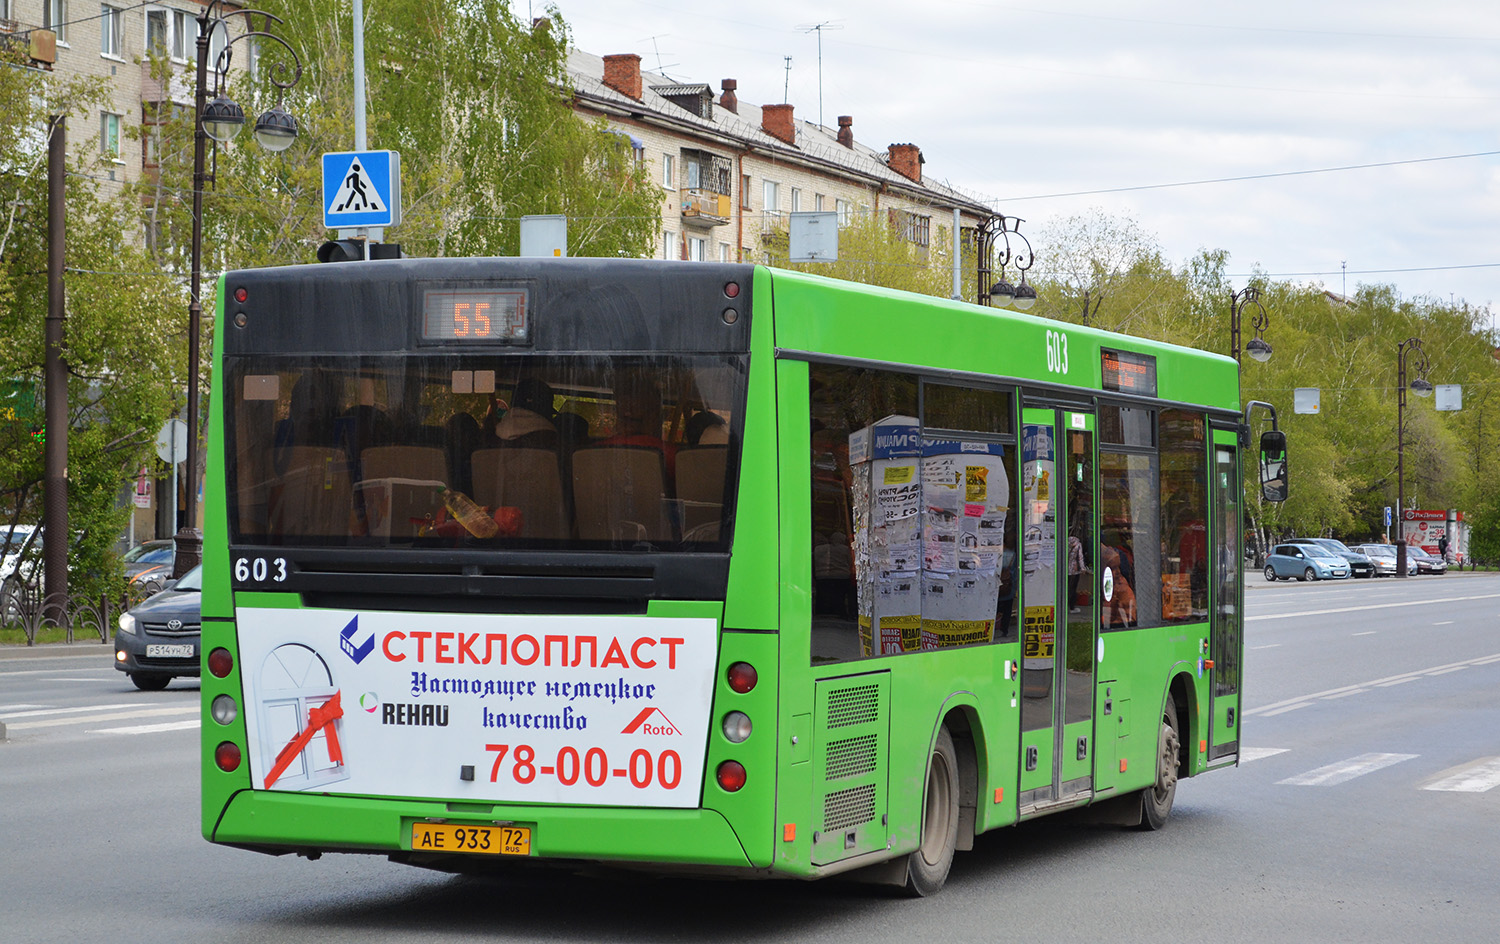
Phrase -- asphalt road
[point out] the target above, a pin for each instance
(1367, 810)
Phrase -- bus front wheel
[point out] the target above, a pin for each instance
(927, 868)
(1156, 800)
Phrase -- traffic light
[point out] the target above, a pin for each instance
(342, 250)
(357, 250)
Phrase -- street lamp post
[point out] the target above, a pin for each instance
(221, 120)
(1002, 228)
(1421, 388)
(1258, 348)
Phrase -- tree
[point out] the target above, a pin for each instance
(874, 250)
(123, 340)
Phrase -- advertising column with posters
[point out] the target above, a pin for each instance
(885, 465)
(965, 498)
(601, 710)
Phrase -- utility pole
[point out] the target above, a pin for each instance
(55, 454)
(786, 85)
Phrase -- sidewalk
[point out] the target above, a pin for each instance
(57, 650)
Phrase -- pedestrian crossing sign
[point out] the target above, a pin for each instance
(361, 188)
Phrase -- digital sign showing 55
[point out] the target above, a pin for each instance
(475, 317)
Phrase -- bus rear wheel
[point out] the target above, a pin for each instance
(927, 867)
(1156, 800)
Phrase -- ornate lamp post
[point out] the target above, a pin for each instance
(1002, 228)
(1258, 348)
(1421, 388)
(221, 120)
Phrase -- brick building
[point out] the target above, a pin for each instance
(730, 171)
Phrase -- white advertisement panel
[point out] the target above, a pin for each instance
(599, 710)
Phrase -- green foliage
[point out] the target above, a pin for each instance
(123, 336)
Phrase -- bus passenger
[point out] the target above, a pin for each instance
(528, 424)
(706, 428)
(638, 418)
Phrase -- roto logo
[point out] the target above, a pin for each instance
(651, 721)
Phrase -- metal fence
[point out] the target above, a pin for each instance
(79, 617)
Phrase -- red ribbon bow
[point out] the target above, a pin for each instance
(319, 718)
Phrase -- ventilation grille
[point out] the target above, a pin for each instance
(845, 808)
(857, 705)
(851, 757)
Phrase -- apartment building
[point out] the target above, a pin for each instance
(730, 171)
(113, 39)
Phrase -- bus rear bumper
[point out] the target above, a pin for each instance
(278, 823)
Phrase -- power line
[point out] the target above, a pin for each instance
(1226, 180)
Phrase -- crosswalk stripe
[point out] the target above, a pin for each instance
(45, 710)
(94, 719)
(150, 728)
(1346, 770)
(1258, 753)
(7, 709)
(1478, 777)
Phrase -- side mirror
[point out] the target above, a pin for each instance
(1273, 473)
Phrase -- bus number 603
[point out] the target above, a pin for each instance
(1057, 352)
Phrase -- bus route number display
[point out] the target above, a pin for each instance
(475, 317)
(1125, 372)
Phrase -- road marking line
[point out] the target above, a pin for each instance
(1408, 676)
(1456, 668)
(1398, 681)
(9, 708)
(94, 719)
(1274, 645)
(1368, 632)
(1373, 606)
(1444, 623)
(1352, 691)
(1258, 753)
(1478, 777)
(79, 710)
(1284, 710)
(149, 728)
(1344, 771)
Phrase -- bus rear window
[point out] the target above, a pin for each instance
(589, 452)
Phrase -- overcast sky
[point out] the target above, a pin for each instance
(1025, 104)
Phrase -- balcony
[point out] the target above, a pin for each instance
(177, 87)
(704, 207)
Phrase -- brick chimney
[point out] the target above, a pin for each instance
(622, 72)
(846, 130)
(906, 160)
(729, 100)
(776, 120)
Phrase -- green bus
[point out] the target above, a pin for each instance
(701, 567)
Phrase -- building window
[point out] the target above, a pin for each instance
(109, 135)
(694, 171)
(818, 202)
(724, 252)
(845, 211)
(668, 244)
(745, 191)
(796, 200)
(773, 198)
(55, 18)
(915, 228)
(158, 32)
(111, 31)
(669, 171)
(697, 248)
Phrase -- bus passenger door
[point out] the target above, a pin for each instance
(1058, 634)
(1226, 640)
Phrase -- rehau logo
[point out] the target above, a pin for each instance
(651, 721)
(355, 650)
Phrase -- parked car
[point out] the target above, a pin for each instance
(1427, 563)
(1305, 562)
(1384, 556)
(158, 639)
(1360, 565)
(148, 567)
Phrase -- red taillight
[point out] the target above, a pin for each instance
(731, 775)
(227, 756)
(220, 663)
(742, 677)
(240, 294)
(732, 289)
